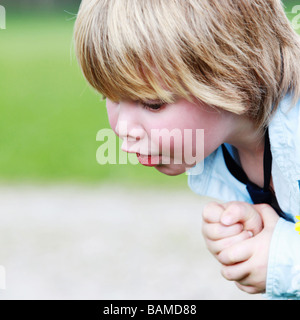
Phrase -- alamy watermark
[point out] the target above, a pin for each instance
(2, 17)
(296, 19)
(2, 278)
(162, 147)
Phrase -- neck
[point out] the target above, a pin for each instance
(248, 140)
(250, 144)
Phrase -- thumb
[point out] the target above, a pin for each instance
(268, 215)
(244, 213)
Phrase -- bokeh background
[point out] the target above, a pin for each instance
(49, 114)
(69, 227)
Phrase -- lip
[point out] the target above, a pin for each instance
(149, 160)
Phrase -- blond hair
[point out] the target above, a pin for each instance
(242, 56)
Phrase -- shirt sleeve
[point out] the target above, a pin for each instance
(283, 278)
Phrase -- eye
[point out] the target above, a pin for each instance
(155, 106)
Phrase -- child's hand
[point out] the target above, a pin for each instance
(246, 262)
(227, 224)
(244, 254)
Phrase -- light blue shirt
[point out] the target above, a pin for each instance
(283, 278)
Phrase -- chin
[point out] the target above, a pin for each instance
(174, 170)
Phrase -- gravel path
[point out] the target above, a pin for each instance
(106, 242)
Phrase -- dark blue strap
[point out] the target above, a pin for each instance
(258, 195)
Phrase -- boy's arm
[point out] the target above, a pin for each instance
(283, 280)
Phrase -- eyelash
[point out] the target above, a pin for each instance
(153, 106)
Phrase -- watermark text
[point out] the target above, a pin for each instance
(160, 147)
(2, 17)
(2, 278)
(296, 19)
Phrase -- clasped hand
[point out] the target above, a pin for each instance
(239, 234)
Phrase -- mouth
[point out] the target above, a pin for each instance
(149, 161)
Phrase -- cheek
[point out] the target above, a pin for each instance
(192, 118)
(112, 113)
(213, 124)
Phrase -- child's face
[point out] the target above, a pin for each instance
(135, 124)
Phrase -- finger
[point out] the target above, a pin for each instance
(215, 247)
(239, 252)
(244, 213)
(248, 289)
(252, 281)
(268, 215)
(212, 212)
(236, 272)
(216, 231)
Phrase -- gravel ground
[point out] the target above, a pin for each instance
(106, 242)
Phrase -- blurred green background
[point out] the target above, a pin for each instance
(49, 116)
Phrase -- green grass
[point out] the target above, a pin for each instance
(49, 115)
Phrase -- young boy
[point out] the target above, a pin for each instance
(230, 68)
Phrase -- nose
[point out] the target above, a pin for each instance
(128, 125)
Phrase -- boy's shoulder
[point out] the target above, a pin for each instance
(284, 130)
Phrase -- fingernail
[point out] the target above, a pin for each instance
(250, 234)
